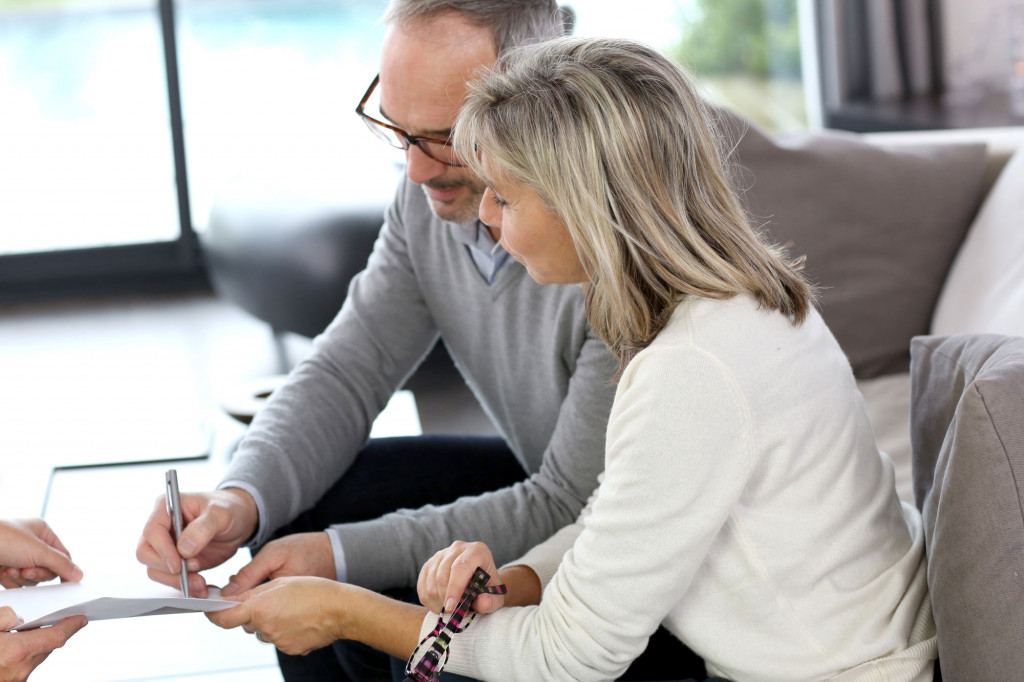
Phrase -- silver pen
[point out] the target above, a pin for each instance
(174, 511)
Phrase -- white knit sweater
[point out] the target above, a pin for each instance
(744, 506)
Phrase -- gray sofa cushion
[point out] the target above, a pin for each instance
(879, 226)
(967, 430)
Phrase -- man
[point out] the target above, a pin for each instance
(526, 351)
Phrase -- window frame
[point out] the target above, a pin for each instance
(123, 269)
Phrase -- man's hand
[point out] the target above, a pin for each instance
(301, 554)
(295, 614)
(31, 553)
(217, 523)
(21, 652)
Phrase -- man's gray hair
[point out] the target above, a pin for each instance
(513, 22)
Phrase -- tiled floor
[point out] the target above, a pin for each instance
(133, 384)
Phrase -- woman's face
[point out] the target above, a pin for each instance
(530, 231)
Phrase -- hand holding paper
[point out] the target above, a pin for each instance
(49, 604)
(296, 614)
(21, 652)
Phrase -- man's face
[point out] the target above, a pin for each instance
(425, 65)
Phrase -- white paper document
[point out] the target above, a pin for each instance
(47, 604)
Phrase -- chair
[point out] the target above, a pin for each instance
(285, 259)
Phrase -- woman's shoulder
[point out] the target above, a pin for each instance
(738, 336)
(709, 323)
(692, 340)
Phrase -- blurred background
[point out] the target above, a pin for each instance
(91, 93)
(121, 121)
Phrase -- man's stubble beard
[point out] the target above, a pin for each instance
(465, 209)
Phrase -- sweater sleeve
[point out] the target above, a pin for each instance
(389, 551)
(679, 452)
(310, 430)
(545, 558)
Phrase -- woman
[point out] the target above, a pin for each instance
(744, 504)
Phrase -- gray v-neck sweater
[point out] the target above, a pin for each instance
(525, 350)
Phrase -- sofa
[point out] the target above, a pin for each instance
(967, 420)
(916, 243)
(905, 234)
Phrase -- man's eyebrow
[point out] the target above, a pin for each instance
(438, 134)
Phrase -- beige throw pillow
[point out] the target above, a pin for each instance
(879, 226)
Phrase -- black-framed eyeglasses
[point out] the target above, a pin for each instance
(437, 149)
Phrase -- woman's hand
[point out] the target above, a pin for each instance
(21, 652)
(299, 613)
(31, 553)
(446, 576)
(295, 614)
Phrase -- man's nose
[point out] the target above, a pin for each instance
(421, 168)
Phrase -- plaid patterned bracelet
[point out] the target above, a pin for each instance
(430, 665)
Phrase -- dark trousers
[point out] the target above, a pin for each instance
(396, 473)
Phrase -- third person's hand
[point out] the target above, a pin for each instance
(31, 553)
(21, 652)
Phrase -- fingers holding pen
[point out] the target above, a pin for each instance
(216, 525)
(156, 548)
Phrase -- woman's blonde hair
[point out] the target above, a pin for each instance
(616, 140)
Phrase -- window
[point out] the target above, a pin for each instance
(124, 120)
(268, 92)
(110, 157)
(85, 147)
(745, 53)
